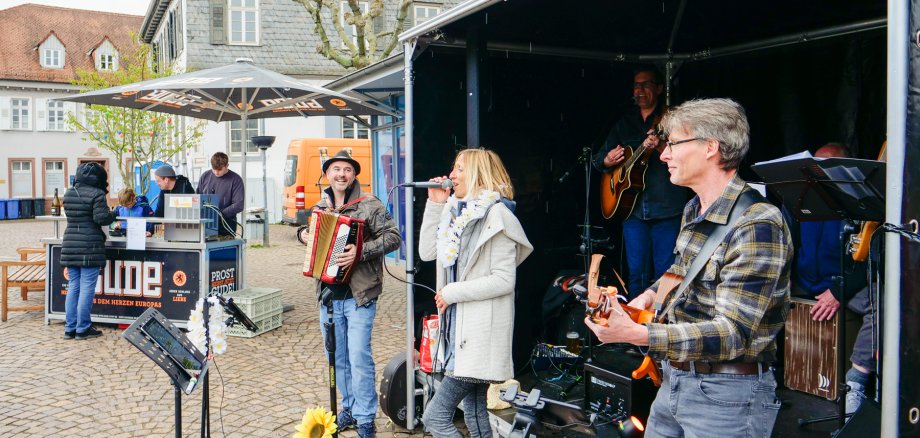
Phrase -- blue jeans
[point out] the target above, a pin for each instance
(78, 303)
(354, 364)
(439, 413)
(649, 246)
(705, 405)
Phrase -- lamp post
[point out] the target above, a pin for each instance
(264, 142)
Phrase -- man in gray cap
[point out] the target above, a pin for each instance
(170, 183)
(355, 304)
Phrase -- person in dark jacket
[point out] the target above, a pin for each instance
(170, 183)
(83, 248)
(229, 188)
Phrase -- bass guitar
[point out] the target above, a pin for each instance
(859, 243)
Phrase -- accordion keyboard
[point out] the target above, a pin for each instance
(341, 238)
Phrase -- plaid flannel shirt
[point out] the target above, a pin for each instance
(738, 302)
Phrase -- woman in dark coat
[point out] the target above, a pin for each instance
(83, 248)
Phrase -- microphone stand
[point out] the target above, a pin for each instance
(586, 244)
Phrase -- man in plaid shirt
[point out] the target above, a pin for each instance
(720, 336)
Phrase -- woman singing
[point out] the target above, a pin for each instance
(478, 244)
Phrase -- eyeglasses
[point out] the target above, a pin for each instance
(671, 144)
(644, 84)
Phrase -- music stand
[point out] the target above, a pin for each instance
(161, 341)
(845, 189)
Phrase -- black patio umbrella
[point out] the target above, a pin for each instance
(239, 91)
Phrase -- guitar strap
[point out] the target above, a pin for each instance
(716, 233)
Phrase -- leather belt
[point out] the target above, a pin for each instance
(741, 368)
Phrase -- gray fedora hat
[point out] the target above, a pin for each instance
(342, 156)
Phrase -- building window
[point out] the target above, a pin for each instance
(244, 21)
(54, 177)
(55, 115)
(51, 53)
(106, 62)
(423, 13)
(21, 179)
(352, 30)
(20, 114)
(253, 127)
(351, 129)
(52, 58)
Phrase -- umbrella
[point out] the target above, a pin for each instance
(239, 91)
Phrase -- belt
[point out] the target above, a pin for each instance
(742, 368)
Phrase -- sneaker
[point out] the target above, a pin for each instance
(855, 397)
(69, 335)
(89, 333)
(367, 430)
(344, 420)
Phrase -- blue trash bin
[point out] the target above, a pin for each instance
(12, 209)
(38, 206)
(3, 209)
(26, 209)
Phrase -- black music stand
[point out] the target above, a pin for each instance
(163, 343)
(845, 189)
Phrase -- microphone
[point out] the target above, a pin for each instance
(446, 184)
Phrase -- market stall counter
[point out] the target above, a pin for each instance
(168, 275)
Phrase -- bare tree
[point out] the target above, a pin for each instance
(373, 40)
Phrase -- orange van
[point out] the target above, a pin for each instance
(303, 172)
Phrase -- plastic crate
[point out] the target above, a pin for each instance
(257, 302)
(266, 323)
(3, 209)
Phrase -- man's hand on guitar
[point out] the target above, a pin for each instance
(644, 301)
(826, 307)
(653, 141)
(614, 157)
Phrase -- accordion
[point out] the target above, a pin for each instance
(327, 235)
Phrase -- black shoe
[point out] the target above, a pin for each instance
(89, 333)
(367, 430)
(69, 335)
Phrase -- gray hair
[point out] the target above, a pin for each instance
(720, 119)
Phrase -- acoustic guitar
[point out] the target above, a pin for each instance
(621, 187)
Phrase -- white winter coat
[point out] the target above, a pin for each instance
(484, 290)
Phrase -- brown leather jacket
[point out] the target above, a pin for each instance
(381, 235)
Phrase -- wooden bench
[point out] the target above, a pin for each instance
(27, 273)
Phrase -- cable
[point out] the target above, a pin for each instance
(220, 406)
(402, 244)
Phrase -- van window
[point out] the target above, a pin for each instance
(290, 170)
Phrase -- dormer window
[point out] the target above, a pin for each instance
(52, 53)
(106, 56)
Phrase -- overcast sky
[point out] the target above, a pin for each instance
(134, 7)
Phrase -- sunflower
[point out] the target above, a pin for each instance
(316, 423)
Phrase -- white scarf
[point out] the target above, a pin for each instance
(451, 228)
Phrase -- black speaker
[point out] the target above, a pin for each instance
(865, 422)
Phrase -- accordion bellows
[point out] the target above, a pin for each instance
(327, 235)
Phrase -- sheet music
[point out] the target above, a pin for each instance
(803, 154)
(136, 234)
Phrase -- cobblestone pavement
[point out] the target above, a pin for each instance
(105, 387)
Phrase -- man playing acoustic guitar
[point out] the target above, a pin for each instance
(649, 203)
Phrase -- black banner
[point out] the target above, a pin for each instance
(133, 281)
(222, 270)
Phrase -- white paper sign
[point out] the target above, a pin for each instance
(136, 234)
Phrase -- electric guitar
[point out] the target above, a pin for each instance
(859, 243)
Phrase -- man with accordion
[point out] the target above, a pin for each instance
(353, 274)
